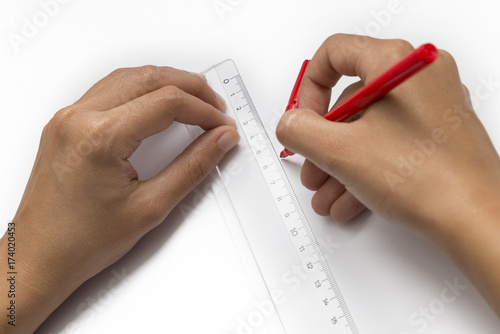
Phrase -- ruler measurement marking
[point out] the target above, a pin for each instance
(315, 253)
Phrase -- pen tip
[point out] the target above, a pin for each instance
(286, 153)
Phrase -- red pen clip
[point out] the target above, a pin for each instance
(293, 102)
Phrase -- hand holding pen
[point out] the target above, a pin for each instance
(418, 157)
(372, 91)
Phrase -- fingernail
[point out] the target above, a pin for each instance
(231, 120)
(199, 75)
(228, 140)
(221, 101)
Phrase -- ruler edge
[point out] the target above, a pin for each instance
(350, 321)
(248, 252)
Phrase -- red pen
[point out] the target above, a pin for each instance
(293, 102)
(374, 90)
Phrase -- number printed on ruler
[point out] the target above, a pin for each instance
(321, 279)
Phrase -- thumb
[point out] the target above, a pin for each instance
(323, 142)
(159, 195)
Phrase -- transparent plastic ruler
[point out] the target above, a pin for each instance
(294, 272)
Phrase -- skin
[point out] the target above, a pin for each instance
(450, 196)
(82, 212)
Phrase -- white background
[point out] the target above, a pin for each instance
(185, 277)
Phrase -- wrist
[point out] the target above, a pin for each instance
(468, 216)
(471, 240)
(39, 286)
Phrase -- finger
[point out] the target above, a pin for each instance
(326, 144)
(127, 84)
(348, 91)
(312, 177)
(154, 112)
(351, 55)
(156, 197)
(467, 95)
(346, 207)
(326, 195)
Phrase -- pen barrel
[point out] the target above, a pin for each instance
(293, 102)
(376, 89)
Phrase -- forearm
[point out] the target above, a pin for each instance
(474, 245)
(30, 290)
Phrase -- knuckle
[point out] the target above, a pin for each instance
(152, 213)
(466, 90)
(336, 41)
(149, 75)
(198, 169)
(199, 84)
(319, 205)
(46, 129)
(172, 94)
(95, 134)
(119, 72)
(148, 214)
(84, 135)
(397, 49)
(148, 71)
(331, 39)
(334, 38)
(62, 121)
(447, 58)
(401, 44)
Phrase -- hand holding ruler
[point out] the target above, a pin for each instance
(259, 201)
